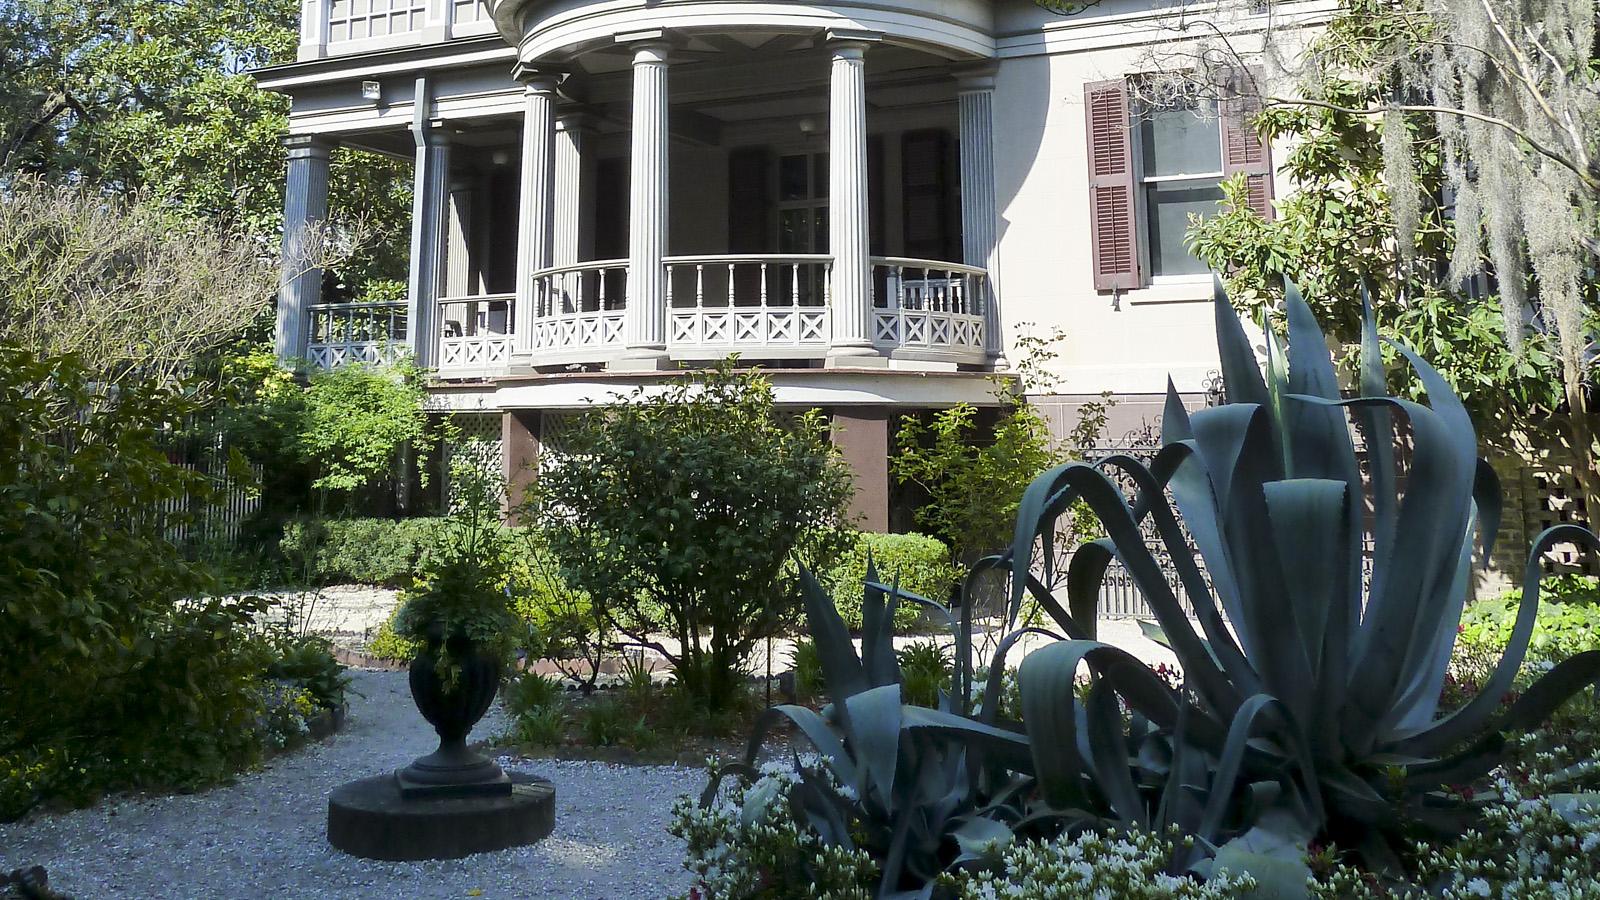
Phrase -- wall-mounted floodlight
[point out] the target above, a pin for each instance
(371, 90)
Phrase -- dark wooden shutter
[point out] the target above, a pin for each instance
(1242, 150)
(1113, 233)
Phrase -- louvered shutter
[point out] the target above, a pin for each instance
(1113, 232)
(1242, 150)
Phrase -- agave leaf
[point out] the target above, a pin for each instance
(1432, 648)
(1378, 427)
(1277, 376)
(934, 605)
(746, 773)
(756, 802)
(878, 661)
(1275, 858)
(1109, 749)
(1467, 720)
(836, 653)
(816, 730)
(1225, 783)
(1239, 370)
(1085, 574)
(1047, 601)
(1309, 521)
(825, 810)
(1009, 748)
(978, 838)
(872, 725)
(1046, 680)
(1152, 497)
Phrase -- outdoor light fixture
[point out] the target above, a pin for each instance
(808, 125)
(371, 90)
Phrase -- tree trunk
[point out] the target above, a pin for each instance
(1582, 435)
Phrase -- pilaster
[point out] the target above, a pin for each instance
(848, 224)
(979, 213)
(305, 207)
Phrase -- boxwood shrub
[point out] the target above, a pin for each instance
(361, 551)
(920, 562)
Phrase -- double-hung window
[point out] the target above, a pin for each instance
(1151, 166)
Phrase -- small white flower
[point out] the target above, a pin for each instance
(1478, 887)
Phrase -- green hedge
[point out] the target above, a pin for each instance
(920, 562)
(363, 551)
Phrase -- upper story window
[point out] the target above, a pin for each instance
(1150, 166)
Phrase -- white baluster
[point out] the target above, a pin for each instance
(700, 286)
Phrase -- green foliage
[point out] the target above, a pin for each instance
(363, 551)
(677, 513)
(925, 668)
(809, 683)
(357, 421)
(386, 644)
(464, 591)
(1333, 235)
(973, 485)
(542, 726)
(609, 722)
(134, 678)
(306, 661)
(1568, 622)
(975, 476)
(562, 623)
(921, 564)
(529, 692)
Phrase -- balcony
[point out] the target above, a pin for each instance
(769, 307)
(342, 27)
(345, 334)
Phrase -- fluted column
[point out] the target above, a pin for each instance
(979, 213)
(305, 206)
(429, 234)
(534, 210)
(574, 189)
(645, 329)
(848, 225)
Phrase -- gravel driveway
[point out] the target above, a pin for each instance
(264, 835)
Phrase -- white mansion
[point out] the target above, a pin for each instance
(867, 197)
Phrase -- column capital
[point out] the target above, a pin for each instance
(436, 134)
(975, 77)
(851, 41)
(538, 77)
(580, 119)
(308, 146)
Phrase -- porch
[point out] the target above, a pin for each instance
(800, 195)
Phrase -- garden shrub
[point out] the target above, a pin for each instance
(131, 680)
(680, 512)
(1568, 621)
(386, 644)
(361, 551)
(925, 671)
(921, 563)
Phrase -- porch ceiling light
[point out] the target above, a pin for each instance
(807, 125)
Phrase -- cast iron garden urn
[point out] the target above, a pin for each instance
(453, 689)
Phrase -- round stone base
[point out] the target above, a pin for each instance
(368, 818)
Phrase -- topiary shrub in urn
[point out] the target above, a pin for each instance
(460, 611)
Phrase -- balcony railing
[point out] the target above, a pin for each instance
(343, 334)
(338, 27)
(475, 335)
(578, 310)
(767, 305)
(923, 307)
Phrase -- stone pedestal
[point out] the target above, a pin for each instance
(371, 819)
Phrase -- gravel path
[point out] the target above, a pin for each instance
(265, 835)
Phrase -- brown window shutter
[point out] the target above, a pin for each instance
(1113, 233)
(1242, 149)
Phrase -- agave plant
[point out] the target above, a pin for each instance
(902, 783)
(1310, 709)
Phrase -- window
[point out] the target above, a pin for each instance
(1150, 167)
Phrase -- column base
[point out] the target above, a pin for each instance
(851, 356)
(642, 359)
